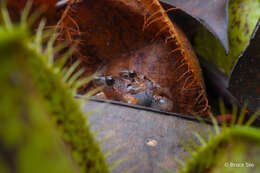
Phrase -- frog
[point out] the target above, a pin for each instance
(133, 88)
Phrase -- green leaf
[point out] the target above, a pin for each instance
(243, 16)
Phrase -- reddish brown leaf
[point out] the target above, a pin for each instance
(138, 36)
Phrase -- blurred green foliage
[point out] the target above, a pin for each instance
(42, 128)
(28, 140)
(233, 150)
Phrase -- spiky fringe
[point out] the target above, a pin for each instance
(156, 15)
(69, 30)
(209, 146)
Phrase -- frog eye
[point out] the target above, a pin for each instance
(110, 81)
(132, 74)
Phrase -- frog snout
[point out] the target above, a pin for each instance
(162, 103)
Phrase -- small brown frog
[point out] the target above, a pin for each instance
(133, 88)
